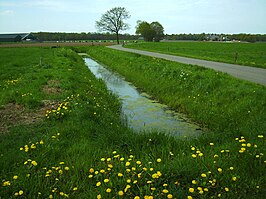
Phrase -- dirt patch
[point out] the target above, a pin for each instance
(52, 87)
(13, 115)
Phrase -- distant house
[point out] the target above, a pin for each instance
(17, 37)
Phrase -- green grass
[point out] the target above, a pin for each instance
(249, 54)
(58, 156)
(213, 99)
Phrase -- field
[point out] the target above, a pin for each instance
(62, 135)
(249, 54)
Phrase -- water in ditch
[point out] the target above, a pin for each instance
(141, 112)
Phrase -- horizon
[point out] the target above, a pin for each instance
(176, 16)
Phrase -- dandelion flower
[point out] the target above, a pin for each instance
(20, 192)
(34, 163)
(206, 189)
(120, 174)
(194, 182)
(201, 192)
(122, 159)
(108, 159)
(102, 159)
(193, 148)
(211, 144)
(106, 180)
(200, 154)
(127, 164)
(66, 168)
(260, 136)
(75, 188)
(189, 197)
(231, 168)
(165, 191)
(120, 193)
(6, 183)
(220, 170)
(194, 155)
(98, 184)
(191, 190)
(203, 175)
(15, 177)
(234, 178)
(159, 160)
(108, 190)
(138, 162)
(169, 196)
(136, 197)
(99, 196)
(226, 189)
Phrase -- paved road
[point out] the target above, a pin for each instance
(252, 74)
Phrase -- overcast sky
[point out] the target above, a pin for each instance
(176, 16)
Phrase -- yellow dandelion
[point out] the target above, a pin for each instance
(34, 163)
(66, 168)
(120, 193)
(99, 196)
(194, 182)
(20, 192)
(211, 144)
(15, 177)
(138, 162)
(61, 163)
(260, 136)
(234, 178)
(75, 188)
(206, 189)
(200, 154)
(159, 160)
(169, 196)
(189, 197)
(194, 155)
(90, 176)
(120, 174)
(191, 190)
(226, 189)
(102, 171)
(136, 197)
(6, 183)
(106, 180)
(102, 159)
(122, 159)
(220, 170)
(153, 188)
(127, 164)
(108, 190)
(108, 159)
(165, 191)
(98, 184)
(203, 175)
(231, 168)
(201, 192)
(193, 148)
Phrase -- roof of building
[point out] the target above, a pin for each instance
(12, 36)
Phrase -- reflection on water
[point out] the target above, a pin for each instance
(142, 113)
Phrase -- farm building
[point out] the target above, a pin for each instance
(17, 37)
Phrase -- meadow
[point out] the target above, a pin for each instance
(62, 137)
(249, 54)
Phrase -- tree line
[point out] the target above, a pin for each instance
(218, 37)
(62, 36)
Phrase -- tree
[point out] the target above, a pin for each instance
(150, 32)
(144, 29)
(113, 21)
(158, 29)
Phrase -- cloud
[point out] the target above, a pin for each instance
(6, 12)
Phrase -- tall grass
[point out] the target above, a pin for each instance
(250, 54)
(80, 149)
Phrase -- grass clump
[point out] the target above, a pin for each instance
(249, 54)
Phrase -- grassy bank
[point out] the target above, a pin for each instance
(249, 54)
(215, 100)
(62, 137)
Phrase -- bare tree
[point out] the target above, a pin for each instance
(113, 21)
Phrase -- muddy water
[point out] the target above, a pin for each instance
(141, 112)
